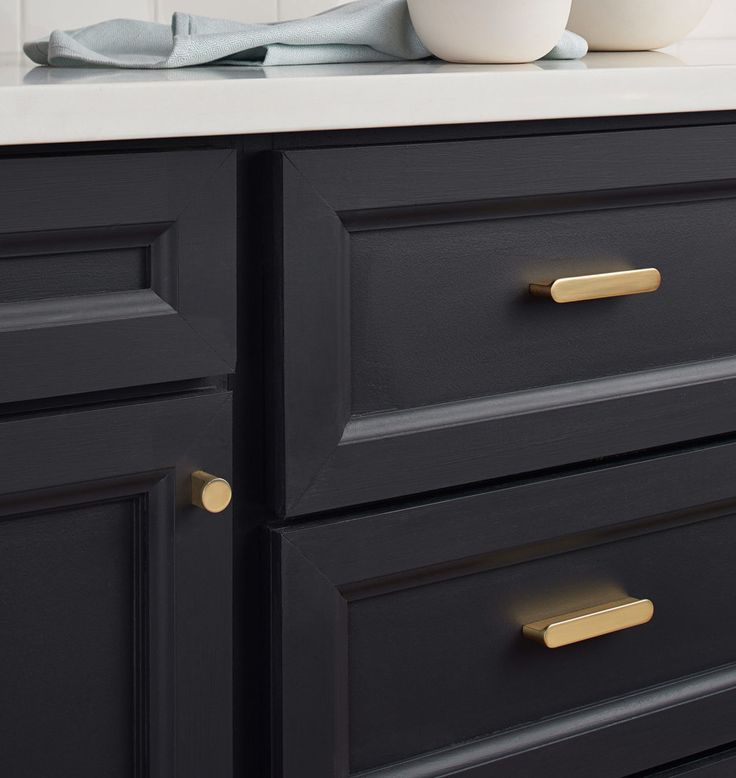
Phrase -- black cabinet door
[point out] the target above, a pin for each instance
(115, 593)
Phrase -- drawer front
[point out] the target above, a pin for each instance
(115, 270)
(722, 765)
(400, 633)
(406, 282)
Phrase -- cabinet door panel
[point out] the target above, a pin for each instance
(115, 593)
(69, 601)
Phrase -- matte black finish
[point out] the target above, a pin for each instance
(374, 361)
(414, 358)
(722, 765)
(399, 632)
(116, 270)
(68, 654)
(116, 599)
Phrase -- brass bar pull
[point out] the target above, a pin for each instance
(210, 493)
(590, 622)
(597, 287)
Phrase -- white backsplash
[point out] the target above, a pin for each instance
(25, 19)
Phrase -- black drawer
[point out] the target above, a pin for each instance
(115, 270)
(722, 765)
(415, 357)
(400, 633)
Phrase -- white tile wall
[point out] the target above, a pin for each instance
(293, 9)
(244, 10)
(40, 16)
(24, 19)
(9, 24)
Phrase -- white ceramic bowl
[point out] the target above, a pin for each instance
(489, 31)
(635, 25)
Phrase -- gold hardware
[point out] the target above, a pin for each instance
(209, 492)
(590, 622)
(575, 289)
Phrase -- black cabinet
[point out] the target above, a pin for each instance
(115, 592)
(474, 459)
(117, 346)
(425, 458)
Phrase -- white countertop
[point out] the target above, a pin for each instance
(49, 105)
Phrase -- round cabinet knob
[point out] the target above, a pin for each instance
(210, 493)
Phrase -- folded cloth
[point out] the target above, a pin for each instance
(361, 31)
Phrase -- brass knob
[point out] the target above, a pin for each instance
(210, 493)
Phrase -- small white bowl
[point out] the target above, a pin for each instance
(489, 31)
(635, 25)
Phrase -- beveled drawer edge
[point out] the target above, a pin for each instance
(701, 766)
(623, 712)
(453, 414)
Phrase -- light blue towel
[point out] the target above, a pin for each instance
(362, 31)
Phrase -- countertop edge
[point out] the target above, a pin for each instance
(88, 112)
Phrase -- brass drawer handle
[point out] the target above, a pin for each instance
(597, 287)
(210, 493)
(590, 622)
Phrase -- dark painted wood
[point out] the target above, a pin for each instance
(116, 593)
(486, 336)
(601, 740)
(69, 691)
(75, 273)
(410, 619)
(252, 650)
(315, 299)
(376, 136)
(717, 766)
(116, 255)
(414, 358)
(414, 174)
(55, 267)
